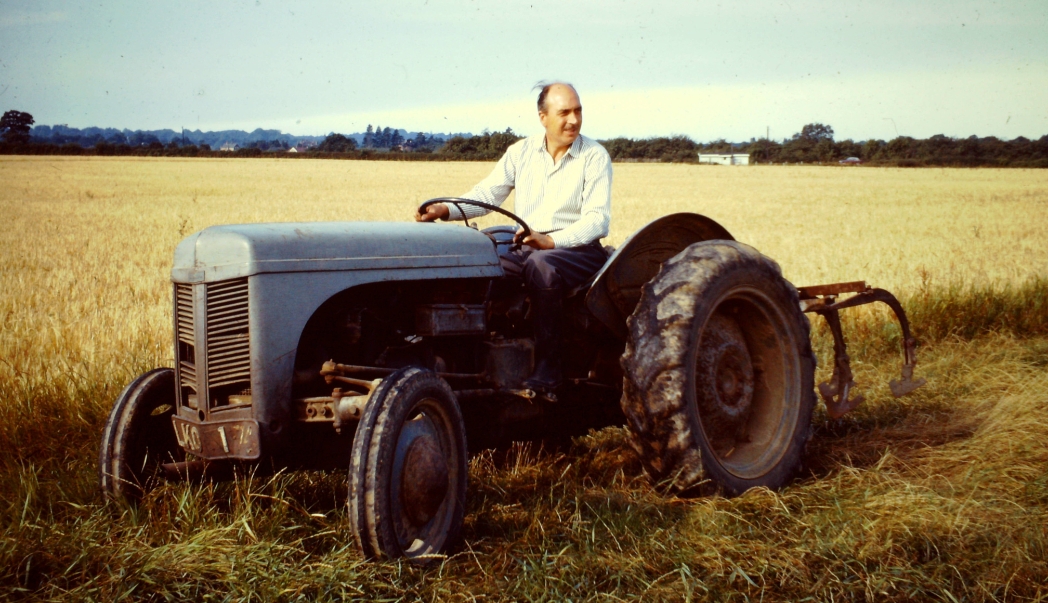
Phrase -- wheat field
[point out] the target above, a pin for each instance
(942, 495)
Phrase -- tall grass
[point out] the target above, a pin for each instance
(938, 314)
(942, 495)
(967, 311)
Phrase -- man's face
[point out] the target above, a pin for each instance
(562, 117)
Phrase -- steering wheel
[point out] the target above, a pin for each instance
(459, 200)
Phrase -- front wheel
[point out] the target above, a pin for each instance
(719, 372)
(408, 471)
(139, 437)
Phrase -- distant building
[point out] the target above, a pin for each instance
(725, 158)
(229, 146)
(850, 161)
(293, 150)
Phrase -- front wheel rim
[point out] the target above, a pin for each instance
(425, 480)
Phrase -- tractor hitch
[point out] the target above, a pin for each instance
(823, 300)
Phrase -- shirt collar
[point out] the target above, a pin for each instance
(574, 150)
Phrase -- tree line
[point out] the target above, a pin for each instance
(814, 144)
(392, 139)
(675, 149)
(89, 137)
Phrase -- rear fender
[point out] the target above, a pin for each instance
(616, 288)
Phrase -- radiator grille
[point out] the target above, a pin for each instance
(228, 341)
(184, 333)
(184, 312)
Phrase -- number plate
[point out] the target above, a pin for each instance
(218, 440)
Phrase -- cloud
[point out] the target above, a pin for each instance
(1006, 101)
(880, 106)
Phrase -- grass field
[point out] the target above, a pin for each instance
(942, 495)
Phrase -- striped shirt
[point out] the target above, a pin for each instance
(570, 200)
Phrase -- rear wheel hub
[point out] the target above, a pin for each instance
(724, 377)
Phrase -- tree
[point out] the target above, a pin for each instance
(849, 148)
(817, 132)
(873, 149)
(485, 146)
(825, 150)
(905, 147)
(15, 126)
(337, 143)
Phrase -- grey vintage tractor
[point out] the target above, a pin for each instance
(386, 347)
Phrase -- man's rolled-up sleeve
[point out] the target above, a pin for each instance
(596, 205)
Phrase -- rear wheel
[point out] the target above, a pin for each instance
(408, 472)
(719, 372)
(139, 437)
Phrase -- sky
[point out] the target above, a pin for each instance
(704, 69)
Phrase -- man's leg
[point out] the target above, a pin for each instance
(549, 275)
(553, 268)
(563, 268)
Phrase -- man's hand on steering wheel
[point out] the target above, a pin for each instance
(437, 211)
(535, 239)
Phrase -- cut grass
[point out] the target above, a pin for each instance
(941, 494)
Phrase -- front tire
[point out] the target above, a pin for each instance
(719, 372)
(139, 437)
(408, 471)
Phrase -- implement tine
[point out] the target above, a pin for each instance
(835, 392)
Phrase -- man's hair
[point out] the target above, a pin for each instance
(543, 88)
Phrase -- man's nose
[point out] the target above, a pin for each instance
(573, 119)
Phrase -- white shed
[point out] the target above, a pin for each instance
(725, 158)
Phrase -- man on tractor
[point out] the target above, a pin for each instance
(563, 184)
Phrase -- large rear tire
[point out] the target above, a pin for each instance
(719, 372)
(408, 471)
(139, 437)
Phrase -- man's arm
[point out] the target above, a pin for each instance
(596, 205)
(494, 189)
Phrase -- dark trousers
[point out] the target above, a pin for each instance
(554, 269)
(549, 275)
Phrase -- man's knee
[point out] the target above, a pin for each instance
(540, 273)
(511, 266)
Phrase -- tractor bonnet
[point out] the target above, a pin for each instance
(239, 250)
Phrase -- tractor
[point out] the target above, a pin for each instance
(397, 349)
